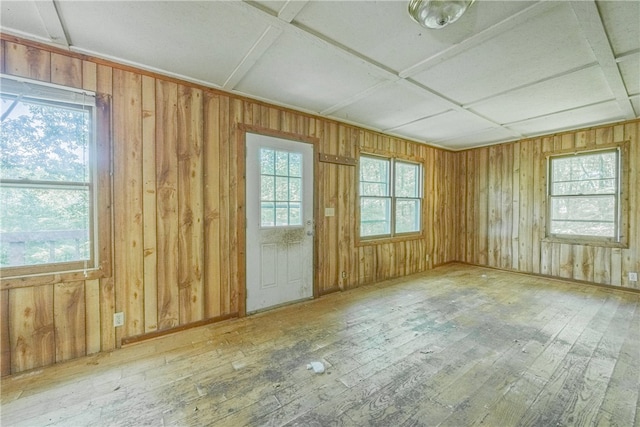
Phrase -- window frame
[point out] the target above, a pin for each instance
(619, 240)
(99, 186)
(275, 202)
(393, 198)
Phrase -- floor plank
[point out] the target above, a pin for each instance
(458, 345)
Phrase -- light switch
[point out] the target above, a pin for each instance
(329, 211)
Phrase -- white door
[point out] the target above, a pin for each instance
(279, 206)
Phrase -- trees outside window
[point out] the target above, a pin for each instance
(584, 195)
(47, 179)
(390, 197)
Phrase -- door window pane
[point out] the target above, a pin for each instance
(280, 188)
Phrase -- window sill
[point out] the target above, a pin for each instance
(26, 281)
(585, 241)
(372, 241)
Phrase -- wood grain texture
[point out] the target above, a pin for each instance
(128, 201)
(5, 341)
(31, 327)
(175, 154)
(149, 204)
(167, 204)
(69, 309)
(515, 175)
(457, 345)
(190, 205)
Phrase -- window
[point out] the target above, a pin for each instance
(584, 195)
(390, 197)
(280, 188)
(48, 174)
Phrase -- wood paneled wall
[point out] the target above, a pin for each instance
(177, 203)
(178, 194)
(503, 212)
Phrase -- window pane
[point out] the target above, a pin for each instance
(585, 216)
(375, 216)
(374, 177)
(593, 173)
(282, 214)
(281, 182)
(282, 188)
(44, 142)
(295, 164)
(40, 226)
(295, 213)
(282, 163)
(295, 189)
(407, 180)
(267, 161)
(407, 216)
(267, 188)
(267, 214)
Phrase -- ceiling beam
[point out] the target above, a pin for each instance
(257, 50)
(291, 9)
(351, 56)
(51, 21)
(590, 23)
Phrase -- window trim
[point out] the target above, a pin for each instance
(393, 235)
(100, 161)
(621, 215)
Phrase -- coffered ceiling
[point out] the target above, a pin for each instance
(506, 70)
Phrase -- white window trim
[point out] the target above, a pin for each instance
(393, 198)
(37, 91)
(577, 238)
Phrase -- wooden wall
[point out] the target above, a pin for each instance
(502, 215)
(177, 203)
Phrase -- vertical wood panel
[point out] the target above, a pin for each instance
(167, 204)
(107, 308)
(190, 206)
(236, 214)
(631, 256)
(211, 166)
(128, 182)
(525, 230)
(27, 61)
(225, 261)
(92, 309)
(66, 70)
(5, 341)
(483, 207)
(507, 206)
(149, 206)
(3, 60)
(31, 327)
(69, 320)
(89, 76)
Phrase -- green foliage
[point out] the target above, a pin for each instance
(46, 143)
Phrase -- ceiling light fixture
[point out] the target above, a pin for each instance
(437, 13)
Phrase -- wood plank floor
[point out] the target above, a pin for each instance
(457, 346)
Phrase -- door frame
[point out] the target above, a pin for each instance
(241, 215)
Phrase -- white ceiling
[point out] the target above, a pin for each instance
(506, 70)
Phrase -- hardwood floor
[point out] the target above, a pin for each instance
(457, 346)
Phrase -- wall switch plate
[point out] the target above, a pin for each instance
(329, 212)
(633, 276)
(118, 319)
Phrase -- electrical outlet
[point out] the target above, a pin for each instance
(118, 319)
(633, 276)
(344, 274)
